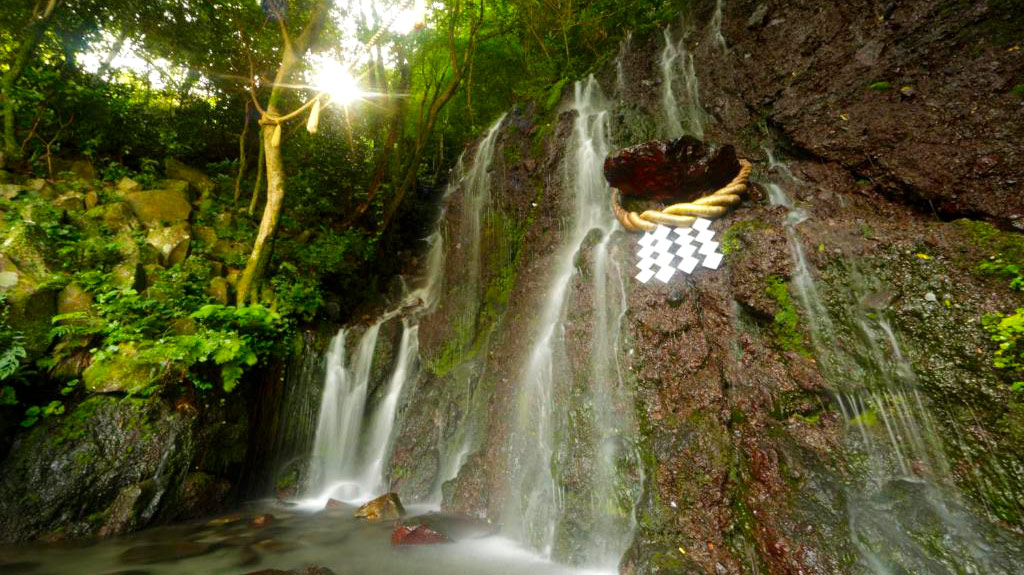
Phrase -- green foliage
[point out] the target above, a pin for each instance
(1018, 91)
(37, 412)
(295, 294)
(998, 267)
(880, 86)
(12, 351)
(1007, 332)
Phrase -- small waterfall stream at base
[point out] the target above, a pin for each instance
(353, 446)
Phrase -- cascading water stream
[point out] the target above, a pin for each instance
(335, 448)
(466, 296)
(352, 446)
(906, 515)
(378, 440)
(716, 27)
(680, 89)
(545, 446)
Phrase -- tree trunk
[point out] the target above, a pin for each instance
(293, 53)
(259, 180)
(242, 164)
(260, 256)
(32, 35)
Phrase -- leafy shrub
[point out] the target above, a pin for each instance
(296, 295)
(12, 351)
(229, 339)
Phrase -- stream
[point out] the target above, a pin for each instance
(230, 545)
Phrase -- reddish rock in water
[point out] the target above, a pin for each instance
(416, 535)
(261, 520)
(303, 571)
(678, 170)
(457, 526)
(334, 504)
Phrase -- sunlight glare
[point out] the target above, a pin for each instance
(334, 78)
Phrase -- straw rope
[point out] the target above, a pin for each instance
(711, 206)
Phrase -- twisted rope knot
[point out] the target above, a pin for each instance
(711, 206)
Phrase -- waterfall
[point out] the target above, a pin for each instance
(378, 439)
(558, 399)
(716, 27)
(680, 89)
(353, 446)
(465, 296)
(905, 513)
(620, 72)
(336, 457)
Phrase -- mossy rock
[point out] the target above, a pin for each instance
(156, 208)
(31, 304)
(198, 180)
(171, 242)
(125, 373)
(116, 216)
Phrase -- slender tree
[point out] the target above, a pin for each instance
(292, 53)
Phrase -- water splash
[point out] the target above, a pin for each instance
(680, 89)
(557, 398)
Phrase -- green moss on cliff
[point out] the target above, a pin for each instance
(732, 239)
(784, 322)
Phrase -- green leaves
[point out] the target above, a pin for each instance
(36, 412)
(1007, 332)
(12, 348)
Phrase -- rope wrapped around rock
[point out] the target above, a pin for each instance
(711, 206)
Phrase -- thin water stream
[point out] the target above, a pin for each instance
(557, 398)
(905, 513)
(680, 88)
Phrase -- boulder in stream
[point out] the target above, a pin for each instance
(417, 535)
(312, 570)
(387, 507)
(456, 526)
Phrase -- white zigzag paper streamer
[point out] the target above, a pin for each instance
(667, 250)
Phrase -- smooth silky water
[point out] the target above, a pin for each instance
(329, 538)
(558, 401)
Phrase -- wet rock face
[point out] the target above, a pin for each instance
(681, 169)
(748, 462)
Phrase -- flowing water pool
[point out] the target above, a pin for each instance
(229, 545)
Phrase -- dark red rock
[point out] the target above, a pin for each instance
(303, 571)
(456, 526)
(416, 535)
(261, 520)
(680, 170)
(334, 504)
